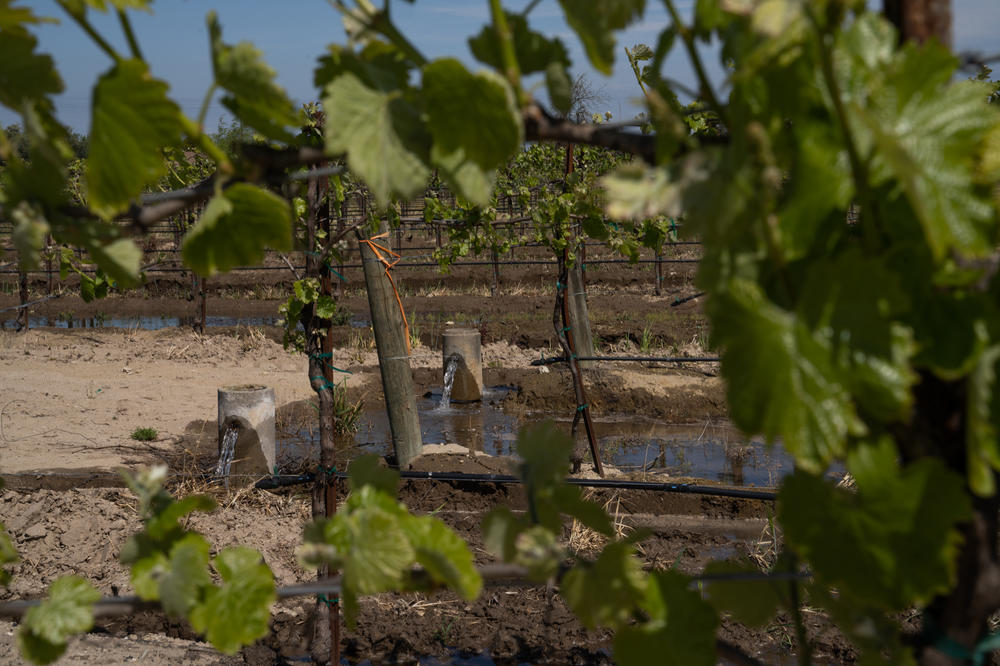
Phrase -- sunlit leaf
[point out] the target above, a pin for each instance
(605, 592)
(132, 120)
(535, 52)
(382, 135)
(26, 75)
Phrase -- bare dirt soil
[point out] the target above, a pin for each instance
(70, 399)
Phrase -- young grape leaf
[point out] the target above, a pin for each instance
(235, 227)
(382, 135)
(500, 531)
(444, 554)
(781, 379)
(474, 123)
(535, 52)
(607, 591)
(25, 75)
(680, 631)
(181, 585)
(864, 542)
(254, 96)
(595, 21)
(236, 613)
(67, 611)
(560, 88)
(132, 120)
(28, 235)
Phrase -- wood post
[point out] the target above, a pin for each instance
(22, 314)
(579, 318)
(393, 358)
(495, 290)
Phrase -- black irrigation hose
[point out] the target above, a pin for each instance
(637, 359)
(680, 301)
(280, 480)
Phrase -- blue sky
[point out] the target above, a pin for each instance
(293, 33)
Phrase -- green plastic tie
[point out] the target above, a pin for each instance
(566, 329)
(582, 407)
(949, 646)
(327, 384)
(329, 601)
(330, 471)
(560, 286)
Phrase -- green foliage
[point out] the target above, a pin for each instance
(595, 22)
(375, 541)
(145, 434)
(68, 610)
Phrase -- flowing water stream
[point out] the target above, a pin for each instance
(449, 381)
(227, 452)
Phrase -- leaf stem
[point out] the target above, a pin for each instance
(859, 170)
(635, 70)
(133, 44)
(81, 20)
(507, 55)
(205, 103)
(528, 9)
(699, 69)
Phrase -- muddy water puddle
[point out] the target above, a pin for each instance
(714, 451)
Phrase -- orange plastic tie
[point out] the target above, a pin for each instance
(377, 250)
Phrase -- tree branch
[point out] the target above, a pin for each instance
(540, 126)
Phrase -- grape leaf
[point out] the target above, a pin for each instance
(28, 235)
(381, 133)
(781, 379)
(606, 591)
(380, 65)
(444, 554)
(13, 19)
(132, 120)
(856, 300)
(535, 52)
(181, 584)
(680, 631)
(235, 227)
(594, 22)
(25, 75)
(236, 613)
(254, 96)
(67, 611)
(121, 259)
(474, 123)
(560, 88)
(864, 542)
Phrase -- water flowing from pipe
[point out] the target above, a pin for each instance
(228, 450)
(449, 381)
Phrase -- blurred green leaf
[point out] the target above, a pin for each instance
(366, 471)
(68, 610)
(474, 123)
(180, 586)
(131, 121)
(382, 135)
(606, 591)
(865, 541)
(25, 75)
(781, 379)
(235, 227)
(444, 555)
(751, 602)
(535, 52)
(680, 630)
(254, 96)
(238, 612)
(8, 555)
(596, 21)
